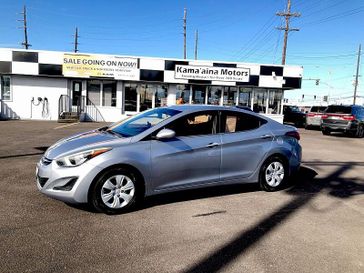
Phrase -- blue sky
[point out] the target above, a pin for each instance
(230, 30)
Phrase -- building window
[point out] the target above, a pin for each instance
(93, 92)
(160, 98)
(183, 94)
(101, 92)
(109, 93)
(245, 96)
(260, 96)
(146, 92)
(5, 88)
(198, 94)
(214, 95)
(230, 95)
(130, 102)
(275, 100)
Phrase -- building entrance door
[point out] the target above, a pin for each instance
(76, 93)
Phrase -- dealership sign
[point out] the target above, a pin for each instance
(211, 73)
(81, 65)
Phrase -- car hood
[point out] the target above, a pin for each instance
(83, 141)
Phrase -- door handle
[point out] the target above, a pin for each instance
(212, 145)
(266, 136)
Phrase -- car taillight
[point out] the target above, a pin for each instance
(294, 134)
(310, 115)
(348, 117)
(324, 116)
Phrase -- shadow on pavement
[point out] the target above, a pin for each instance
(305, 188)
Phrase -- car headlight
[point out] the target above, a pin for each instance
(80, 158)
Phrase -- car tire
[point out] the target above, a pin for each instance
(359, 131)
(116, 191)
(325, 132)
(273, 174)
(307, 127)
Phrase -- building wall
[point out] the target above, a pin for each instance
(25, 88)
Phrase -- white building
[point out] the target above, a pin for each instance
(51, 85)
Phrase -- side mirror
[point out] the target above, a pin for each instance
(165, 134)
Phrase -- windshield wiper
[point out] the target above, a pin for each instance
(103, 128)
(114, 133)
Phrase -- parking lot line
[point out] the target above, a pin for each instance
(64, 126)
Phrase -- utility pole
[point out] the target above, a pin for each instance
(287, 15)
(76, 41)
(24, 20)
(184, 33)
(357, 74)
(196, 44)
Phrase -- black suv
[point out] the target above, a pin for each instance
(348, 119)
(292, 114)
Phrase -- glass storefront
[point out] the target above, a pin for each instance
(160, 98)
(230, 95)
(140, 97)
(214, 95)
(260, 96)
(245, 95)
(183, 93)
(146, 92)
(131, 96)
(198, 94)
(275, 101)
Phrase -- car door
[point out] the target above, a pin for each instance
(245, 141)
(192, 157)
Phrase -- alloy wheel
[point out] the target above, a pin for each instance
(117, 191)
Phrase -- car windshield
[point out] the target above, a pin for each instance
(141, 122)
(338, 109)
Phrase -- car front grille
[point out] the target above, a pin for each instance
(46, 161)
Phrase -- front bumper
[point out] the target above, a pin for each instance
(68, 184)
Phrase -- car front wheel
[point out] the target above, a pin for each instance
(273, 174)
(116, 191)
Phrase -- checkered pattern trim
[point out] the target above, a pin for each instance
(49, 63)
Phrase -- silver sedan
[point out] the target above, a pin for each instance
(168, 149)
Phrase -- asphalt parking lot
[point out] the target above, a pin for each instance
(315, 225)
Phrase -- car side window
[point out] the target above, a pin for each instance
(239, 122)
(201, 123)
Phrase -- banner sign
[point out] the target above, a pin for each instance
(211, 73)
(80, 65)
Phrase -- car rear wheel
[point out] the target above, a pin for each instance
(273, 174)
(116, 191)
(360, 131)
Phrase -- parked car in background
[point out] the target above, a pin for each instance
(292, 114)
(168, 149)
(348, 119)
(313, 117)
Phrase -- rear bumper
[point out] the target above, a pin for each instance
(338, 127)
(313, 121)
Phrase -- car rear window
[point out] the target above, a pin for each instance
(338, 109)
(318, 109)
